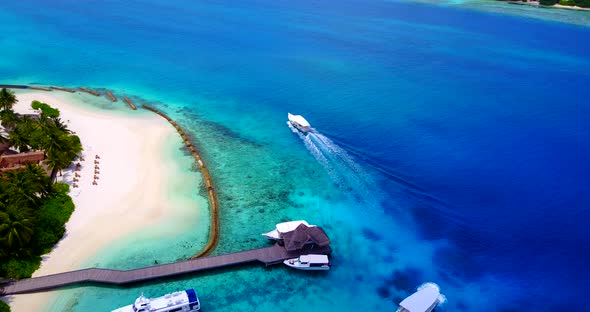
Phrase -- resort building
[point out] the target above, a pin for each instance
(17, 161)
(304, 235)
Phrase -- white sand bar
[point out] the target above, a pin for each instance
(130, 194)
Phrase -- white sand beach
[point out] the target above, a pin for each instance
(129, 195)
(570, 7)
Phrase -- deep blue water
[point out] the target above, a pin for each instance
(470, 129)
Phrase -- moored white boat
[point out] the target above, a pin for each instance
(284, 227)
(299, 122)
(425, 299)
(180, 301)
(309, 262)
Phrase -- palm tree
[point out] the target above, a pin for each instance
(23, 188)
(3, 193)
(61, 152)
(8, 118)
(60, 125)
(54, 163)
(16, 228)
(38, 180)
(20, 138)
(7, 99)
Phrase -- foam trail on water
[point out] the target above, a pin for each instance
(340, 166)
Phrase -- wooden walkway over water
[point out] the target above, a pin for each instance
(268, 256)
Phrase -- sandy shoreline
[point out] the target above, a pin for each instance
(129, 194)
(570, 7)
(557, 6)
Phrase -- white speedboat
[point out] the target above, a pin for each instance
(284, 227)
(309, 262)
(299, 122)
(425, 299)
(180, 301)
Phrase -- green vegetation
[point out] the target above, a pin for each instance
(47, 133)
(33, 209)
(4, 307)
(580, 3)
(28, 230)
(7, 99)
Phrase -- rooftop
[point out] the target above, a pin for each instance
(302, 235)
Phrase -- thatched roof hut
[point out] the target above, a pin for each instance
(302, 235)
(318, 236)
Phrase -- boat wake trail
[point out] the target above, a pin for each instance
(347, 174)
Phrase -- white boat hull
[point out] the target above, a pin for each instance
(299, 122)
(308, 268)
(180, 301)
(300, 128)
(425, 299)
(309, 263)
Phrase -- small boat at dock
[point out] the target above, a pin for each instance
(299, 122)
(425, 299)
(309, 262)
(180, 301)
(284, 227)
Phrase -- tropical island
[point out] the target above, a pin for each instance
(131, 161)
(562, 4)
(33, 207)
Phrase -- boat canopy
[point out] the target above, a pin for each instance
(313, 259)
(299, 119)
(192, 295)
(423, 300)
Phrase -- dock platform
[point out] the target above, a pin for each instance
(268, 255)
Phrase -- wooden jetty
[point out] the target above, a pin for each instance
(212, 195)
(63, 89)
(111, 96)
(89, 91)
(128, 101)
(269, 256)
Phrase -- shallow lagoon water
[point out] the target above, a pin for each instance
(453, 146)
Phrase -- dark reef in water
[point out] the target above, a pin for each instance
(383, 291)
(216, 128)
(402, 281)
(407, 279)
(371, 235)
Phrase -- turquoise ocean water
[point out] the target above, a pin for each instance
(450, 145)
